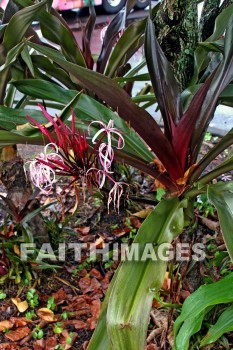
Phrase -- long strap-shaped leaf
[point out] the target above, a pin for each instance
(138, 279)
(197, 304)
(87, 110)
(221, 195)
(163, 81)
(114, 96)
(222, 78)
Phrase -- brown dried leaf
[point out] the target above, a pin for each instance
(5, 325)
(19, 321)
(95, 273)
(21, 305)
(135, 222)
(63, 339)
(50, 343)
(152, 347)
(95, 311)
(88, 284)
(119, 232)
(60, 296)
(78, 324)
(84, 230)
(8, 346)
(18, 334)
(46, 314)
(39, 344)
(142, 214)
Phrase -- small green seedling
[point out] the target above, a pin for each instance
(37, 333)
(32, 298)
(51, 303)
(58, 328)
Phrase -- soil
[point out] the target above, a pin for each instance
(78, 288)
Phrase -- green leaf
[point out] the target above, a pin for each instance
(129, 307)
(223, 75)
(53, 30)
(17, 117)
(223, 325)
(201, 56)
(119, 100)
(190, 327)
(200, 302)
(221, 196)
(127, 42)
(87, 110)
(35, 212)
(19, 24)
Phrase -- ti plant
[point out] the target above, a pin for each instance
(124, 318)
(125, 312)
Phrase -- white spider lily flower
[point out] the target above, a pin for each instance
(109, 131)
(115, 195)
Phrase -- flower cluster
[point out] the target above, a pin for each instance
(72, 156)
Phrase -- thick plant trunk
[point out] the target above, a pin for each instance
(176, 27)
(19, 189)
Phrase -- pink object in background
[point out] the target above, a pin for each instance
(3, 4)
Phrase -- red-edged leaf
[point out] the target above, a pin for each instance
(110, 92)
(223, 76)
(86, 37)
(182, 133)
(163, 81)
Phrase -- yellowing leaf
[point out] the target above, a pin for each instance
(5, 325)
(46, 314)
(22, 126)
(16, 249)
(143, 213)
(21, 305)
(183, 180)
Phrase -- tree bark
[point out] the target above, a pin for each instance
(176, 27)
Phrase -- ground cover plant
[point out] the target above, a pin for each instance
(170, 157)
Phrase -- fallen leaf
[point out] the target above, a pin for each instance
(8, 346)
(39, 344)
(18, 334)
(184, 294)
(21, 305)
(63, 339)
(152, 347)
(5, 325)
(78, 324)
(142, 214)
(83, 230)
(95, 273)
(95, 311)
(50, 343)
(46, 314)
(135, 222)
(119, 232)
(19, 321)
(60, 296)
(88, 284)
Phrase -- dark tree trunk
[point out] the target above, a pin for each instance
(176, 27)
(178, 32)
